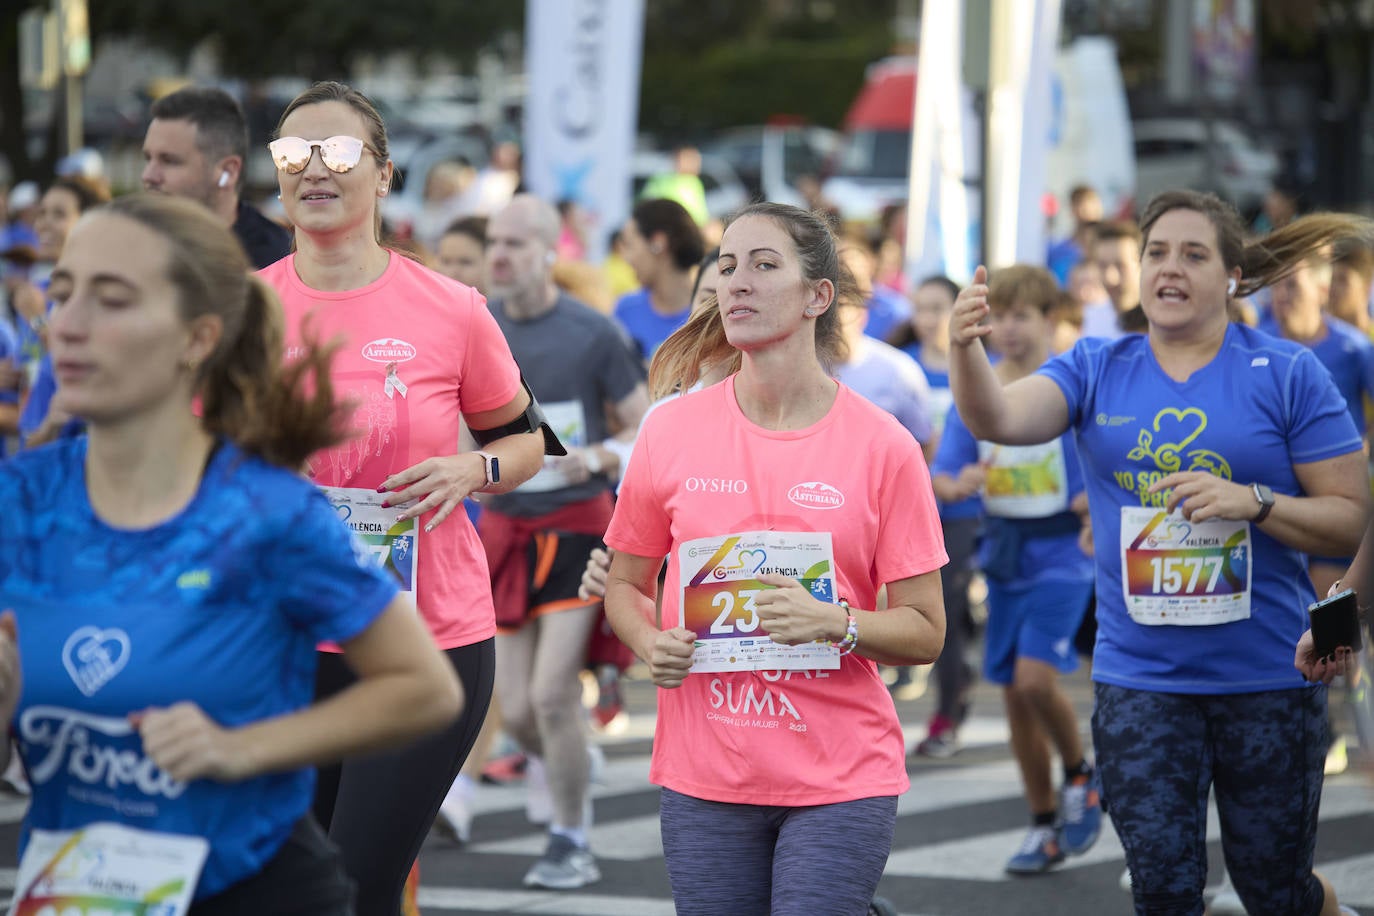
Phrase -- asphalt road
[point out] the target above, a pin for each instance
(956, 827)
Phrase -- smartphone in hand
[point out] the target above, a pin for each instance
(1335, 623)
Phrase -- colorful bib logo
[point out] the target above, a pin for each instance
(816, 495)
(389, 350)
(93, 657)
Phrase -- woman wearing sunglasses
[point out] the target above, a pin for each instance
(417, 352)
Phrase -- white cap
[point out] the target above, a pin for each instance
(24, 195)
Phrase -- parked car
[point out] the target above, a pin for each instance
(725, 192)
(1191, 153)
(769, 158)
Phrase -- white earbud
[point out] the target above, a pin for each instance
(1231, 287)
(224, 178)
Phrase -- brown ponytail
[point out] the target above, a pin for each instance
(282, 414)
(1268, 259)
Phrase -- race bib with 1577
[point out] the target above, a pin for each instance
(392, 545)
(719, 588)
(1181, 572)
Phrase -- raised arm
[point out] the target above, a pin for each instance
(1026, 412)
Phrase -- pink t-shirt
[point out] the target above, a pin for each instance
(702, 469)
(451, 358)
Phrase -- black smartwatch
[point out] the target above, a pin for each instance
(492, 464)
(1265, 497)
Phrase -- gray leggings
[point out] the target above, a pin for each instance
(756, 860)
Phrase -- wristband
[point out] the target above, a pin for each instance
(851, 631)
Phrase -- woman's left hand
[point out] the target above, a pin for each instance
(438, 483)
(1200, 496)
(186, 744)
(790, 614)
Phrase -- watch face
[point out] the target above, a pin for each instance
(493, 469)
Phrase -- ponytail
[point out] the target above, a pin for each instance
(1266, 260)
(281, 413)
(679, 361)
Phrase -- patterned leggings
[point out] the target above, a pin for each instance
(1263, 753)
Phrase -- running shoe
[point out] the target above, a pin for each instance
(1039, 851)
(564, 866)
(454, 819)
(942, 740)
(1080, 808)
(1337, 757)
(608, 715)
(504, 770)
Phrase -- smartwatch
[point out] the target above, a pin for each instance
(492, 465)
(1265, 497)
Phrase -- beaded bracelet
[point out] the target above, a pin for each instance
(851, 631)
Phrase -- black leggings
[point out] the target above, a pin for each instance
(304, 878)
(378, 809)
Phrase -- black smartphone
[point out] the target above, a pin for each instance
(1335, 623)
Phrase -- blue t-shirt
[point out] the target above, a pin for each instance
(1048, 483)
(1258, 408)
(1348, 355)
(887, 308)
(645, 326)
(221, 606)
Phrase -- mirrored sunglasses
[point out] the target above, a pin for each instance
(339, 154)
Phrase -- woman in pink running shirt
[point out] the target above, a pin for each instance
(416, 352)
(784, 503)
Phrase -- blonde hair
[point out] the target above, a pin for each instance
(282, 414)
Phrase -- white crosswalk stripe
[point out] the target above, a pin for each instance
(977, 856)
(956, 827)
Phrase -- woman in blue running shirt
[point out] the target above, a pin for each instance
(170, 576)
(1216, 458)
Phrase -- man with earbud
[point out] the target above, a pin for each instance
(537, 537)
(196, 147)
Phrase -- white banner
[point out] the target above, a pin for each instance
(582, 58)
(1024, 38)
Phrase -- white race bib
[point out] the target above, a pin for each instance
(718, 591)
(567, 419)
(387, 543)
(108, 870)
(1184, 573)
(1025, 481)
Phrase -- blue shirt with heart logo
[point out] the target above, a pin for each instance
(1260, 407)
(222, 605)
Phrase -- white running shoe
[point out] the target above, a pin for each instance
(454, 819)
(563, 866)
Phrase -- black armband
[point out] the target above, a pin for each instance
(532, 419)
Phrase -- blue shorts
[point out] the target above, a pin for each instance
(1038, 622)
(1159, 753)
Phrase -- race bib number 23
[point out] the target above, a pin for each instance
(719, 593)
